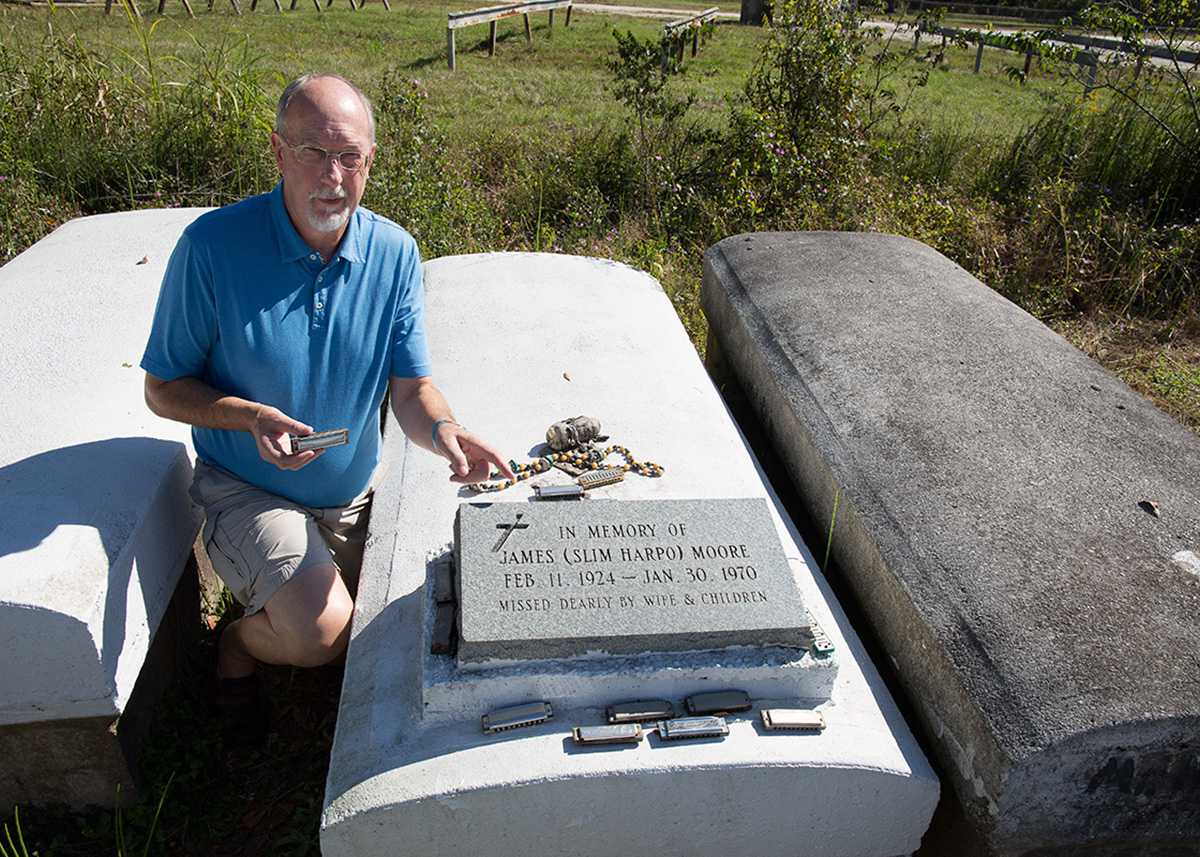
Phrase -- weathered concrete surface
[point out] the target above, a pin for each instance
(987, 478)
(97, 525)
(591, 337)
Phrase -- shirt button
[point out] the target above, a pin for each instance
(320, 305)
(320, 277)
(313, 256)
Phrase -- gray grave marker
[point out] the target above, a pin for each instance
(570, 579)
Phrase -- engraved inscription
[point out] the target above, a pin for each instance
(712, 585)
(624, 576)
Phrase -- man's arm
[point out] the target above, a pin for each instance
(418, 404)
(190, 400)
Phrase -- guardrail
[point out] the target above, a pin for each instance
(1016, 42)
(492, 14)
(675, 33)
(1147, 50)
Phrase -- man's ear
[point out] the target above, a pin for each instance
(277, 146)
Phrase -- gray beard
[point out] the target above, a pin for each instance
(328, 223)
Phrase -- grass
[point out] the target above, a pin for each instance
(553, 87)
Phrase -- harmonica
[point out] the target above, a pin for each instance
(792, 719)
(558, 492)
(640, 711)
(597, 478)
(319, 440)
(516, 717)
(683, 728)
(718, 702)
(621, 733)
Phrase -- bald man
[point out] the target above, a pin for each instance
(287, 313)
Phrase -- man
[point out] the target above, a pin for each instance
(285, 313)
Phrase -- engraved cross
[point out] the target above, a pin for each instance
(508, 529)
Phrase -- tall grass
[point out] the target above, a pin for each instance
(1092, 206)
(83, 132)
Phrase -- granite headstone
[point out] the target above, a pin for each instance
(573, 579)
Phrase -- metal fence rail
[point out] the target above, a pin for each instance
(676, 32)
(492, 14)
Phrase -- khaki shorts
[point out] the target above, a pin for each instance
(257, 541)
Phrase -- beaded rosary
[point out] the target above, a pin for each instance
(582, 459)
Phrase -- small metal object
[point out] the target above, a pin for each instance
(319, 440)
(640, 711)
(682, 728)
(621, 733)
(597, 478)
(516, 716)
(558, 492)
(792, 719)
(718, 702)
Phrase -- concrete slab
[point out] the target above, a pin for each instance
(97, 525)
(987, 478)
(407, 777)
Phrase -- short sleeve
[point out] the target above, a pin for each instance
(185, 319)
(410, 352)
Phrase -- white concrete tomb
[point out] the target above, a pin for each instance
(97, 525)
(519, 341)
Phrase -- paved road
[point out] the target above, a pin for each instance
(651, 12)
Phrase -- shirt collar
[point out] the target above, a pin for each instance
(293, 247)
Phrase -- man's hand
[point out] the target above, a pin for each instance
(270, 431)
(190, 400)
(471, 459)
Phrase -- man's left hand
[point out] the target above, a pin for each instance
(471, 458)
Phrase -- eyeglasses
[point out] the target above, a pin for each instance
(314, 156)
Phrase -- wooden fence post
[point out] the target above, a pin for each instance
(551, 31)
(695, 40)
(1028, 61)
(491, 38)
(528, 31)
(567, 23)
(916, 38)
(450, 46)
(979, 55)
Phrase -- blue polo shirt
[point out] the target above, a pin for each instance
(247, 307)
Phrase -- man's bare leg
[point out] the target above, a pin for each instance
(306, 623)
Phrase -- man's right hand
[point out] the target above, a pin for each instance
(271, 428)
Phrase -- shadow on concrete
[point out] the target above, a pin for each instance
(103, 485)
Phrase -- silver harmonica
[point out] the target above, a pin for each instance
(792, 720)
(621, 733)
(319, 440)
(516, 716)
(682, 728)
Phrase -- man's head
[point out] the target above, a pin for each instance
(323, 113)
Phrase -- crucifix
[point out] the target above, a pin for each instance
(508, 529)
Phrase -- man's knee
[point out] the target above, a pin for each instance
(312, 613)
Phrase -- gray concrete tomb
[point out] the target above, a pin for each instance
(991, 487)
(413, 772)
